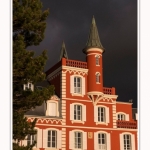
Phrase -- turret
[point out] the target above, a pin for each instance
(94, 51)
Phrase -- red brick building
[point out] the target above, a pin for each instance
(83, 115)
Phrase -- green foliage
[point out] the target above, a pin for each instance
(29, 23)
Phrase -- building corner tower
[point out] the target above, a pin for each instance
(94, 51)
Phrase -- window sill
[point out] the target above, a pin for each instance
(77, 121)
(102, 123)
(51, 148)
(35, 148)
(98, 83)
(77, 94)
(98, 65)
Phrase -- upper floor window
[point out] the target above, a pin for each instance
(101, 114)
(77, 139)
(97, 60)
(28, 86)
(52, 139)
(121, 117)
(98, 77)
(77, 112)
(127, 141)
(77, 85)
(101, 140)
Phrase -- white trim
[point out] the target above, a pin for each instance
(95, 49)
(84, 127)
(94, 54)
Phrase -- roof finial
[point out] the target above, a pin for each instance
(93, 39)
(63, 52)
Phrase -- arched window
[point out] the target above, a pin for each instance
(78, 140)
(102, 141)
(77, 112)
(97, 60)
(97, 77)
(127, 141)
(77, 85)
(101, 114)
(121, 117)
(52, 139)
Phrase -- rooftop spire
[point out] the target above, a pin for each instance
(93, 39)
(63, 52)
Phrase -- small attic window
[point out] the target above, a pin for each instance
(28, 86)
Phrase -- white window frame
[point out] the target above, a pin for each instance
(122, 113)
(73, 85)
(82, 113)
(58, 139)
(48, 108)
(97, 60)
(31, 139)
(106, 146)
(132, 142)
(72, 140)
(50, 139)
(106, 115)
(29, 85)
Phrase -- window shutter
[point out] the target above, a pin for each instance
(84, 112)
(24, 142)
(71, 140)
(133, 141)
(71, 84)
(136, 116)
(45, 138)
(39, 138)
(71, 111)
(108, 141)
(95, 141)
(127, 117)
(84, 140)
(83, 86)
(121, 142)
(59, 139)
(107, 114)
(95, 114)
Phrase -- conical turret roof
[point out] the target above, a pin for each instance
(63, 52)
(93, 39)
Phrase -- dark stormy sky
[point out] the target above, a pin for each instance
(116, 20)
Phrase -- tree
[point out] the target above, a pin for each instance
(29, 23)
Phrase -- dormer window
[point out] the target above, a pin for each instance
(28, 86)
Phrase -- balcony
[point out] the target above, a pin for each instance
(109, 91)
(74, 63)
(127, 124)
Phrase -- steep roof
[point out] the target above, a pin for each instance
(63, 52)
(93, 39)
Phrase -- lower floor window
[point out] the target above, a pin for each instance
(52, 139)
(78, 140)
(127, 141)
(31, 139)
(102, 141)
